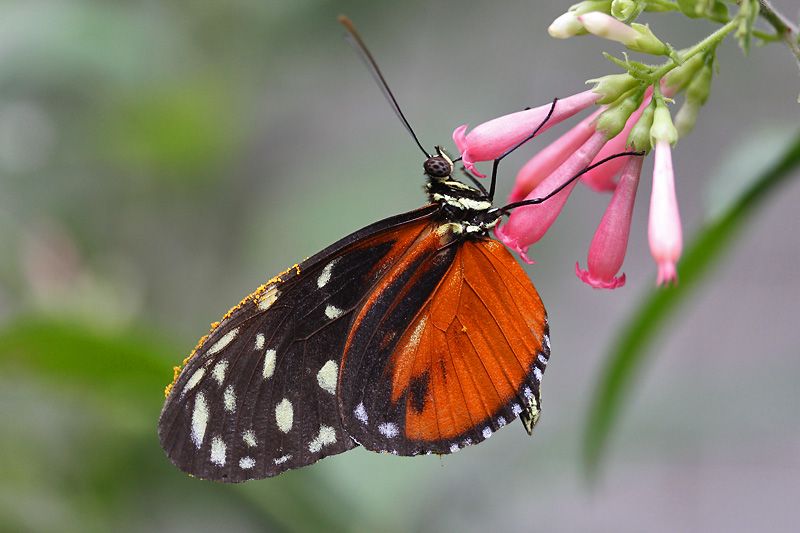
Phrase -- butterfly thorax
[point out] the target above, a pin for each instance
(462, 205)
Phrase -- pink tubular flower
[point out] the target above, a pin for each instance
(664, 227)
(602, 178)
(548, 160)
(636, 37)
(640, 119)
(606, 26)
(607, 251)
(528, 224)
(492, 139)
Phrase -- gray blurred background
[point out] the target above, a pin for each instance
(160, 160)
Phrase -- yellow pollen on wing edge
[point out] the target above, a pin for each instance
(252, 297)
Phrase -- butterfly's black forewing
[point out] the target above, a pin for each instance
(259, 394)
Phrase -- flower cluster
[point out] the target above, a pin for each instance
(632, 115)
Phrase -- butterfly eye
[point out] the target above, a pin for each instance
(438, 167)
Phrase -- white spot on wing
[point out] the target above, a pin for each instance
(454, 448)
(229, 399)
(269, 363)
(327, 376)
(501, 421)
(268, 298)
(527, 392)
(333, 312)
(516, 409)
(249, 438)
(260, 341)
(194, 380)
(247, 463)
(361, 413)
(537, 373)
(218, 449)
(223, 342)
(546, 342)
(219, 371)
(282, 459)
(542, 359)
(326, 436)
(487, 432)
(325, 277)
(199, 419)
(388, 430)
(284, 415)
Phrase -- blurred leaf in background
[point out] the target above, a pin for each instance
(743, 185)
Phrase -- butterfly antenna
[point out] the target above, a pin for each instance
(355, 40)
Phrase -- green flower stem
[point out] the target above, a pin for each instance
(709, 42)
(766, 37)
(786, 31)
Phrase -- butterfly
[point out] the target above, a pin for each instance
(418, 334)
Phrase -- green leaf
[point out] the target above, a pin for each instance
(179, 131)
(743, 166)
(119, 371)
(635, 345)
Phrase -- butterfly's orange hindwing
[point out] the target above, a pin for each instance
(446, 367)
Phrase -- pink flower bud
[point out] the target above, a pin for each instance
(528, 224)
(551, 157)
(566, 25)
(636, 37)
(607, 251)
(602, 178)
(664, 229)
(492, 139)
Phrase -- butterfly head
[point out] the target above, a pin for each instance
(439, 166)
